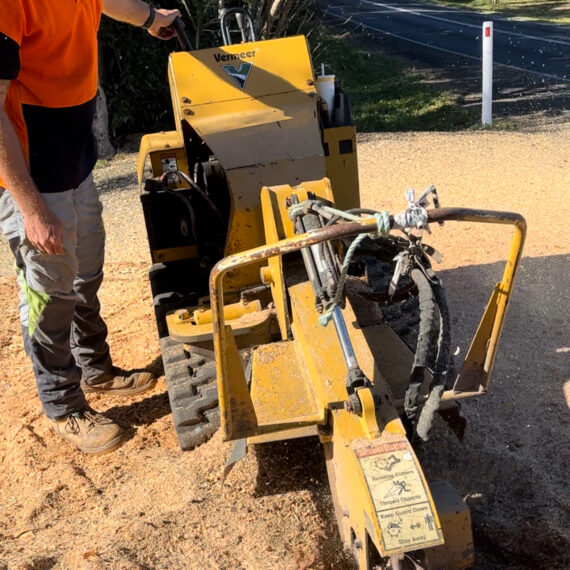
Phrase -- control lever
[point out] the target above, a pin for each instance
(178, 27)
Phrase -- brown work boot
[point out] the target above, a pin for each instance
(121, 383)
(90, 432)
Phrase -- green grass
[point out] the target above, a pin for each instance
(554, 11)
(387, 95)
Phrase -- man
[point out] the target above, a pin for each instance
(49, 208)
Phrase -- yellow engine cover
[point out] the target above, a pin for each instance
(255, 106)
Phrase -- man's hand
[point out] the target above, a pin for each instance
(162, 21)
(137, 12)
(43, 228)
(44, 231)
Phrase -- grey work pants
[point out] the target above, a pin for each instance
(64, 334)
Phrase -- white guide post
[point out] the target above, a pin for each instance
(487, 107)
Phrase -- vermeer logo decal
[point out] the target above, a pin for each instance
(239, 70)
(239, 74)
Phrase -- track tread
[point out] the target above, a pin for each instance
(193, 394)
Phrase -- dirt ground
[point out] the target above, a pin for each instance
(149, 506)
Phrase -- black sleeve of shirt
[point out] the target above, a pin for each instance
(9, 58)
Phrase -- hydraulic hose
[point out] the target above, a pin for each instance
(205, 196)
(426, 340)
(441, 367)
(366, 211)
(190, 211)
(325, 270)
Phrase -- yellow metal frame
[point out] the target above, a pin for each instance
(246, 319)
(474, 375)
(278, 226)
(476, 370)
(156, 146)
(342, 166)
(357, 447)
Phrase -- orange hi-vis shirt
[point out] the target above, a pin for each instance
(48, 49)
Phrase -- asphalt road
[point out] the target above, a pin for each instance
(529, 46)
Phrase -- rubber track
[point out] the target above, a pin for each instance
(193, 394)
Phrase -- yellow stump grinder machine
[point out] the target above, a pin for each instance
(268, 277)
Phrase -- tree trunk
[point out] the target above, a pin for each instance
(284, 18)
(101, 126)
(273, 14)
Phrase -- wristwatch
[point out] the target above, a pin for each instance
(150, 20)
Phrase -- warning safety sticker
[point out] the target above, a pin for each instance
(402, 505)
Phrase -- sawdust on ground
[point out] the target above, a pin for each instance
(149, 506)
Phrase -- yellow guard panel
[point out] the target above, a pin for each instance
(251, 103)
(277, 66)
(255, 106)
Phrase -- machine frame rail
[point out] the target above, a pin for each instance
(473, 377)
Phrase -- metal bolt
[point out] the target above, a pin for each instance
(358, 544)
(312, 94)
(348, 406)
(188, 112)
(310, 82)
(185, 100)
(182, 314)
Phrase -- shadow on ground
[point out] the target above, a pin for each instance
(120, 182)
(515, 456)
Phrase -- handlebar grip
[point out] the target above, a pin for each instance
(178, 27)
